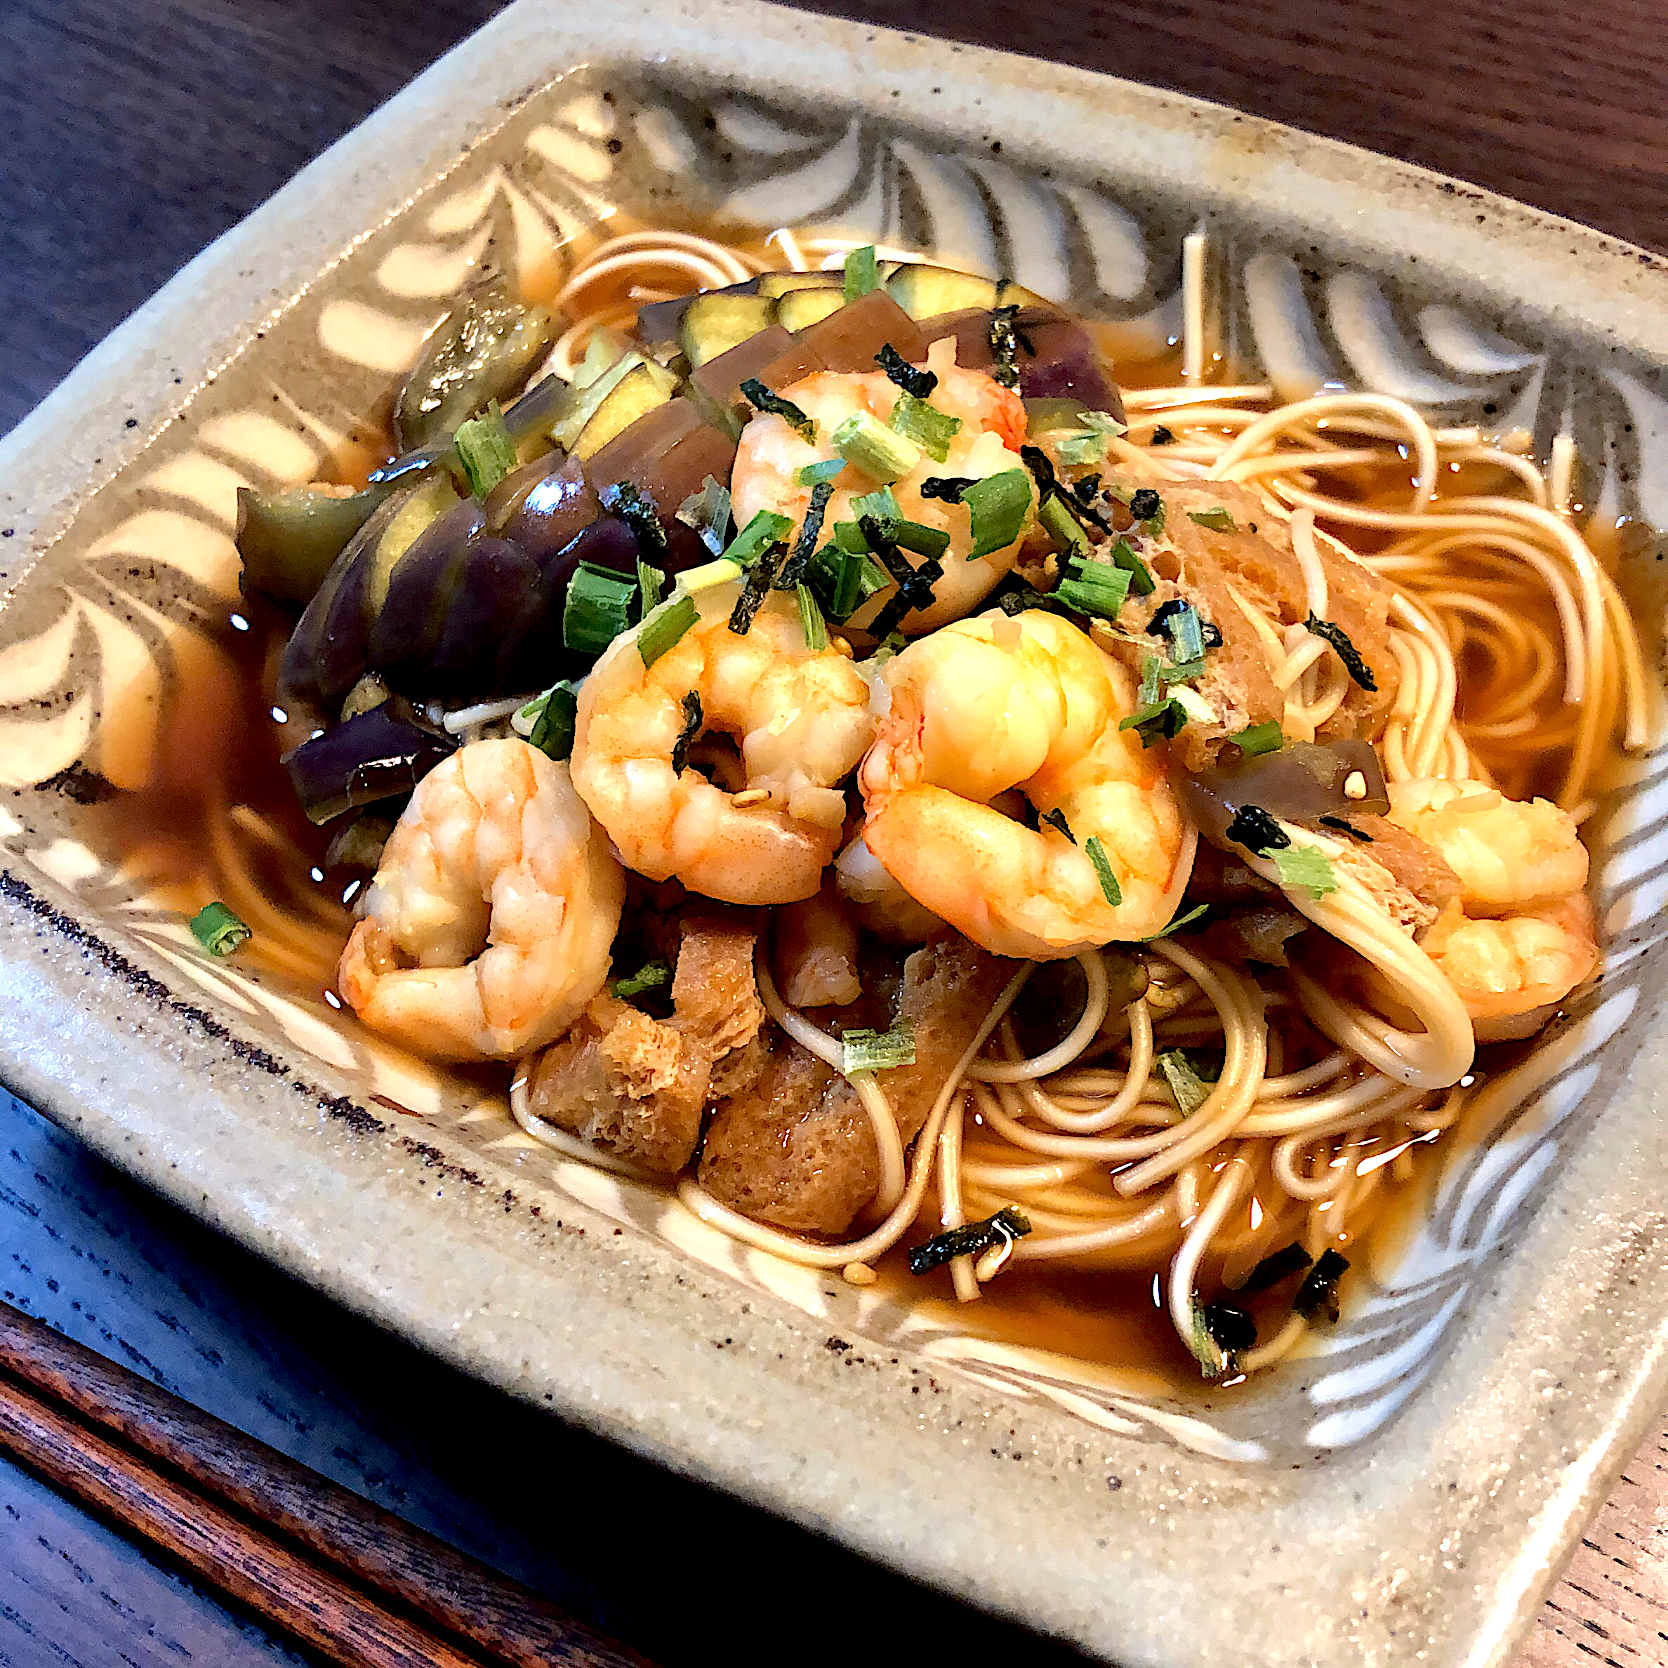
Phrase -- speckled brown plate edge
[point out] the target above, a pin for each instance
(1432, 1543)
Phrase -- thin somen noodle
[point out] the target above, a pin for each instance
(1174, 1102)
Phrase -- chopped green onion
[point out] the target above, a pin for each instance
(1088, 443)
(1257, 739)
(1346, 651)
(879, 506)
(1277, 1266)
(1212, 1359)
(598, 608)
(764, 530)
(708, 512)
(922, 540)
(1151, 669)
(1064, 528)
(761, 399)
(878, 451)
(1305, 869)
(895, 644)
(810, 617)
(1159, 721)
(1187, 635)
(825, 470)
(692, 721)
(1252, 827)
(1095, 588)
(484, 449)
(968, 1240)
(623, 499)
(931, 429)
(848, 535)
(996, 507)
(1140, 578)
(1057, 819)
(1182, 673)
(844, 580)
(1178, 922)
(1189, 1088)
(663, 628)
(1318, 1295)
(719, 572)
(864, 1050)
(650, 976)
(649, 583)
(1218, 520)
(217, 929)
(862, 272)
(917, 382)
(553, 728)
(1192, 703)
(1096, 853)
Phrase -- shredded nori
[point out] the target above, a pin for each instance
(1318, 1295)
(792, 571)
(1348, 828)
(912, 381)
(762, 399)
(1085, 488)
(1357, 668)
(633, 507)
(1231, 1328)
(1158, 625)
(1049, 485)
(1145, 504)
(759, 577)
(914, 583)
(1005, 343)
(1162, 436)
(949, 488)
(1162, 721)
(1057, 819)
(1277, 1266)
(1253, 828)
(692, 722)
(967, 1241)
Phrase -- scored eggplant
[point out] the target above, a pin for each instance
(288, 540)
(480, 351)
(365, 759)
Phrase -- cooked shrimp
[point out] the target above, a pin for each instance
(1512, 856)
(801, 718)
(995, 703)
(489, 923)
(771, 454)
(883, 906)
(1511, 974)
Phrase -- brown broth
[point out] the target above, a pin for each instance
(221, 747)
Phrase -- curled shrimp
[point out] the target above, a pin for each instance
(489, 924)
(1511, 855)
(1521, 936)
(771, 454)
(1512, 973)
(801, 720)
(997, 703)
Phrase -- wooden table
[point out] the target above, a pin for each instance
(137, 132)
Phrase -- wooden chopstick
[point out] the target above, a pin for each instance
(290, 1545)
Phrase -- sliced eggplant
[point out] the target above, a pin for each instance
(1300, 782)
(779, 284)
(633, 396)
(422, 587)
(662, 321)
(667, 455)
(543, 507)
(926, 291)
(716, 322)
(849, 339)
(587, 394)
(800, 309)
(288, 540)
(1061, 362)
(773, 356)
(363, 760)
(480, 351)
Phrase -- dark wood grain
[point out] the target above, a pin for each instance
(136, 133)
(372, 1548)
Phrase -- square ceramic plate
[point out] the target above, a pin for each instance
(1402, 1496)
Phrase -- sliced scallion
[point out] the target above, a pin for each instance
(862, 272)
(217, 929)
(1305, 868)
(764, 530)
(1189, 1088)
(881, 453)
(484, 449)
(1218, 520)
(1094, 588)
(597, 609)
(1065, 529)
(1096, 853)
(650, 588)
(810, 618)
(650, 976)
(663, 628)
(824, 470)
(996, 507)
(1257, 739)
(553, 728)
(1140, 577)
(865, 1050)
(1159, 721)
(931, 429)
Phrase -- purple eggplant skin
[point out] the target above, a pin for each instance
(484, 606)
(1300, 782)
(543, 506)
(422, 586)
(1065, 363)
(667, 455)
(362, 760)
